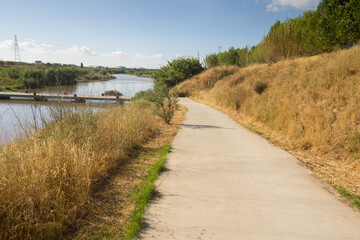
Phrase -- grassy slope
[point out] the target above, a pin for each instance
(310, 108)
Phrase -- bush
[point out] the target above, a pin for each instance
(143, 95)
(260, 87)
(164, 101)
(178, 71)
(30, 83)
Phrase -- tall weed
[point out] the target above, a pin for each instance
(46, 179)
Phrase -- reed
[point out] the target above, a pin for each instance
(46, 179)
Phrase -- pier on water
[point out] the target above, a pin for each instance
(60, 97)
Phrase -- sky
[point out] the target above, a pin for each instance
(136, 33)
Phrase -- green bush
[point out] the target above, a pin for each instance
(163, 100)
(177, 71)
(30, 83)
(143, 95)
(260, 87)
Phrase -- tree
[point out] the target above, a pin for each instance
(81, 65)
(211, 60)
(228, 58)
(177, 71)
(339, 22)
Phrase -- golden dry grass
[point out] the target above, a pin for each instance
(113, 203)
(46, 180)
(311, 108)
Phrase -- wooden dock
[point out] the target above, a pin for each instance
(59, 97)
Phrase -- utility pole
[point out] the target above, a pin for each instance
(17, 51)
(219, 49)
(198, 56)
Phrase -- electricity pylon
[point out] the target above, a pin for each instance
(17, 51)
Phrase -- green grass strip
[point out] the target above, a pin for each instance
(145, 193)
(354, 199)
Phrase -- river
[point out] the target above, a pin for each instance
(16, 115)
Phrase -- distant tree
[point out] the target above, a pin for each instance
(339, 22)
(232, 57)
(211, 60)
(243, 57)
(227, 58)
(257, 53)
(81, 65)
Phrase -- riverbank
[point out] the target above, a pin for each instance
(24, 77)
(18, 85)
(48, 180)
(14, 113)
(308, 106)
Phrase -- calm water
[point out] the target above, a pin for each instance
(16, 115)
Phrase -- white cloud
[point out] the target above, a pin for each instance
(27, 46)
(7, 44)
(76, 50)
(277, 5)
(115, 54)
(35, 47)
(141, 56)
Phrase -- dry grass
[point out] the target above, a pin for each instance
(113, 203)
(311, 108)
(46, 180)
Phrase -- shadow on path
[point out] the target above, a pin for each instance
(195, 126)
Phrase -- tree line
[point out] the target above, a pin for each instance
(39, 77)
(24, 75)
(335, 24)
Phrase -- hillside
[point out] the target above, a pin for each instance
(310, 107)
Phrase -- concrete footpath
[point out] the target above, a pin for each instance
(224, 182)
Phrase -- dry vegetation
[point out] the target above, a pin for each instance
(311, 108)
(47, 180)
(114, 204)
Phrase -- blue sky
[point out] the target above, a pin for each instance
(136, 33)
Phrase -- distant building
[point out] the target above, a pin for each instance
(39, 62)
(121, 67)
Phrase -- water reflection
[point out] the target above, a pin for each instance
(15, 116)
(128, 85)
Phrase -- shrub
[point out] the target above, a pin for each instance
(164, 101)
(178, 71)
(260, 87)
(143, 95)
(30, 83)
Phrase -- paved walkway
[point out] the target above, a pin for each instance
(225, 182)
